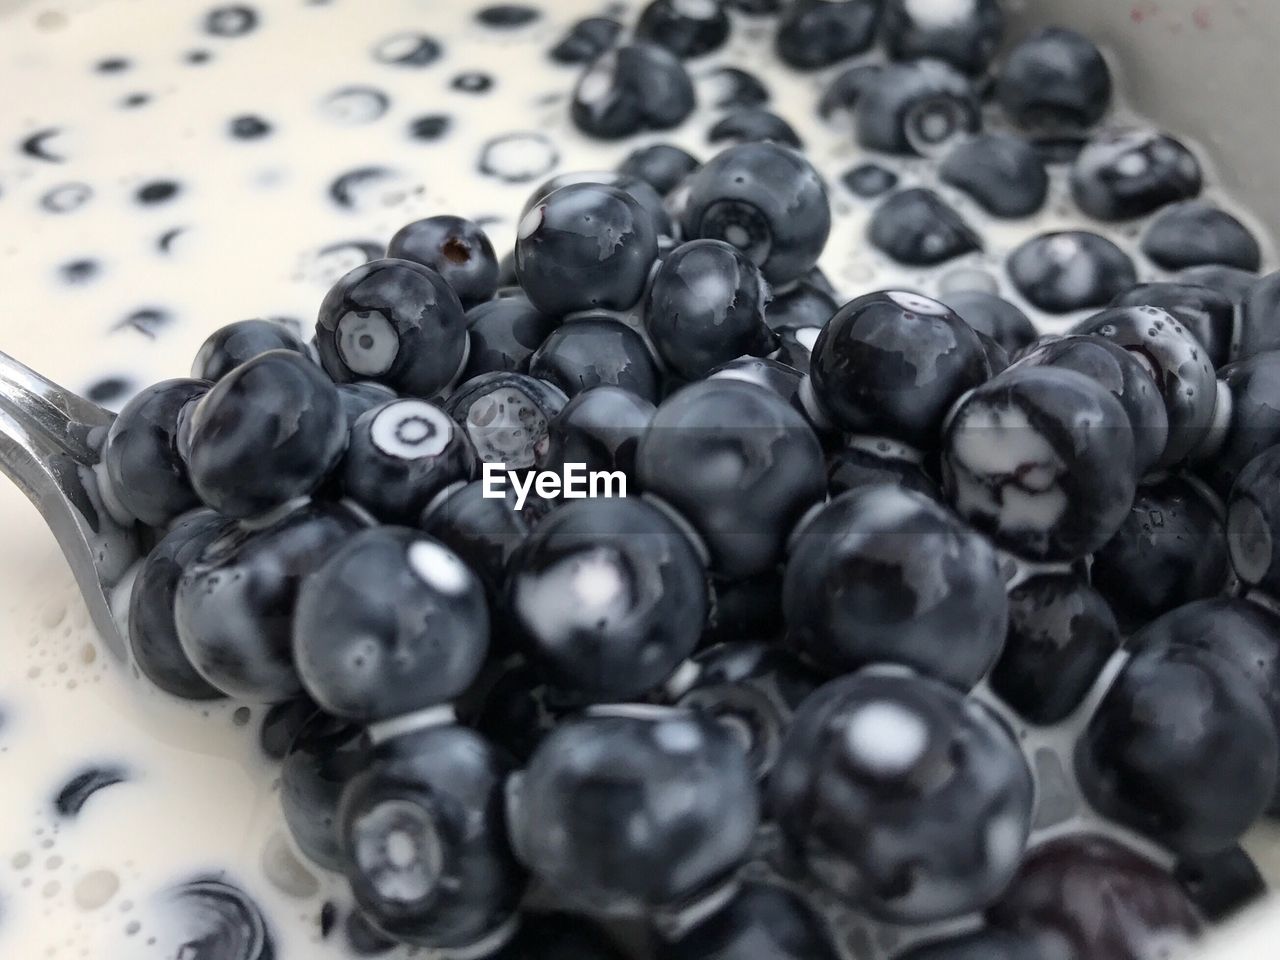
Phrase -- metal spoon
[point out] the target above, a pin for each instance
(50, 446)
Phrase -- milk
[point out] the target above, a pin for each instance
(260, 225)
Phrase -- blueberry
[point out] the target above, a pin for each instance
(1041, 459)
(872, 461)
(1061, 635)
(1127, 173)
(918, 228)
(1207, 313)
(996, 317)
(587, 39)
(400, 455)
(1221, 884)
(229, 346)
(625, 91)
(153, 635)
(1125, 374)
(610, 595)
(1241, 632)
(751, 124)
(1070, 270)
(268, 432)
(803, 304)
(887, 575)
(423, 839)
(593, 352)
(739, 463)
(1171, 549)
(455, 248)
(965, 35)
(892, 364)
(762, 920)
(752, 689)
(484, 532)
(506, 416)
(902, 797)
(1194, 787)
(362, 396)
(600, 428)
(1253, 523)
(1103, 899)
(735, 88)
(558, 936)
(1001, 171)
(766, 200)
(1055, 79)
(1193, 233)
(843, 93)
(1231, 282)
(585, 246)
(504, 334)
(396, 322)
(1260, 317)
(1252, 417)
(391, 623)
(661, 165)
(234, 605)
(210, 917)
(990, 945)
(323, 757)
(706, 305)
(628, 809)
(916, 107)
(1178, 364)
(869, 180)
(688, 28)
(141, 454)
(818, 33)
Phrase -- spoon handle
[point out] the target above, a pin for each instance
(50, 443)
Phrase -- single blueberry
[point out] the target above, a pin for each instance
(395, 322)
(706, 306)
(1130, 172)
(918, 228)
(918, 107)
(455, 248)
(818, 33)
(1193, 233)
(1061, 635)
(268, 432)
(885, 575)
(1042, 460)
(641, 86)
(233, 345)
(739, 463)
(902, 797)
(1055, 79)
(585, 246)
(688, 28)
(765, 199)
(596, 351)
(1000, 171)
(965, 35)
(144, 465)
(1070, 270)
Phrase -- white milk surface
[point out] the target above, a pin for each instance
(257, 226)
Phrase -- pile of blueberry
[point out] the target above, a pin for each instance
(864, 547)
